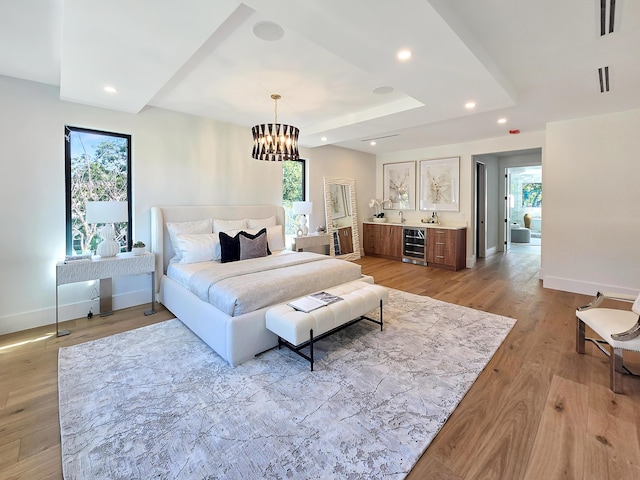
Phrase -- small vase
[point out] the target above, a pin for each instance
(137, 250)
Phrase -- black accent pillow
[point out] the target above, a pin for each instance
(229, 247)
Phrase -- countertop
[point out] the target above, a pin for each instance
(418, 225)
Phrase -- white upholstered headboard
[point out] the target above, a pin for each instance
(161, 243)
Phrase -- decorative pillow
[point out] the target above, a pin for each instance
(275, 238)
(198, 248)
(229, 247)
(261, 223)
(186, 228)
(226, 225)
(253, 246)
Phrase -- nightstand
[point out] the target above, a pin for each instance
(311, 241)
(103, 269)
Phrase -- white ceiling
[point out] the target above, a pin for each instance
(528, 61)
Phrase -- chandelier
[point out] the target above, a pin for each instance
(275, 141)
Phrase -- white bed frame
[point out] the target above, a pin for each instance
(236, 339)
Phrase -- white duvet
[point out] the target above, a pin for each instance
(247, 285)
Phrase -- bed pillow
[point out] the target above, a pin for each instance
(229, 247)
(253, 246)
(226, 225)
(261, 223)
(186, 228)
(198, 248)
(275, 238)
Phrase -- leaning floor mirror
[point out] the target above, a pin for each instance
(342, 220)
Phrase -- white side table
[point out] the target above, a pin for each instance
(99, 268)
(312, 240)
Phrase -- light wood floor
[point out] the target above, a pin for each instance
(538, 411)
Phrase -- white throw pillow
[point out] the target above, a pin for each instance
(199, 248)
(226, 225)
(275, 237)
(187, 228)
(261, 223)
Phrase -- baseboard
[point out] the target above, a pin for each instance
(584, 288)
(471, 261)
(47, 316)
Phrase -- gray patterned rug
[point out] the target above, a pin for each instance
(156, 402)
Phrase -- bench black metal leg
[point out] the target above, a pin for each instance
(381, 322)
(311, 347)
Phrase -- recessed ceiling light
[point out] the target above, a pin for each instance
(324, 139)
(373, 143)
(268, 31)
(110, 89)
(404, 55)
(502, 120)
(383, 90)
(470, 105)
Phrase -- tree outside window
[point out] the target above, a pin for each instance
(293, 176)
(98, 166)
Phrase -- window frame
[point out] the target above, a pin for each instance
(68, 129)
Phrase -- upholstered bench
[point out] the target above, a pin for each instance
(297, 330)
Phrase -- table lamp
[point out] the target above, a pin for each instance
(303, 209)
(107, 213)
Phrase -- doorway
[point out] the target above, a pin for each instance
(523, 208)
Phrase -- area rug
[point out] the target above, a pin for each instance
(157, 402)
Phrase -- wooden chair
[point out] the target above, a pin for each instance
(620, 329)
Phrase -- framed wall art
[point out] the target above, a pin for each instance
(399, 185)
(440, 184)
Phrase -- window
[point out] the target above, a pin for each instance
(293, 176)
(97, 168)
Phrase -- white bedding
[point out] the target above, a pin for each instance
(240, 287)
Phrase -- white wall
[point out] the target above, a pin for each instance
(330, 161)
(591, 226)
(465, 151)
(176, 160)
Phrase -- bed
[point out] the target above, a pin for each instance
(225, 303)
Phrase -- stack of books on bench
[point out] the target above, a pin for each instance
(314, 301)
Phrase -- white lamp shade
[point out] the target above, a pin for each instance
(302, 208)
(107, 212)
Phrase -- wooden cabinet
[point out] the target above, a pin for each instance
(383, 240)
(446, 248)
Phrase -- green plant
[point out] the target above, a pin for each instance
(139, 245)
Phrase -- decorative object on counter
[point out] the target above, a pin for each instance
(440, 184)
(399, 185)
(377, 204)
(433, 219)
(320, 229)
(107, 213)
(138, 248)
(303, 209)
(527, 220)
(275, 141)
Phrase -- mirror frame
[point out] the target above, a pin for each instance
(328, 181)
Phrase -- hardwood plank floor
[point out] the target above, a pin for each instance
(539, 410)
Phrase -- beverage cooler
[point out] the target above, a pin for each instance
(414, 245)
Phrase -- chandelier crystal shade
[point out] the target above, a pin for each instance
(275, 141)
